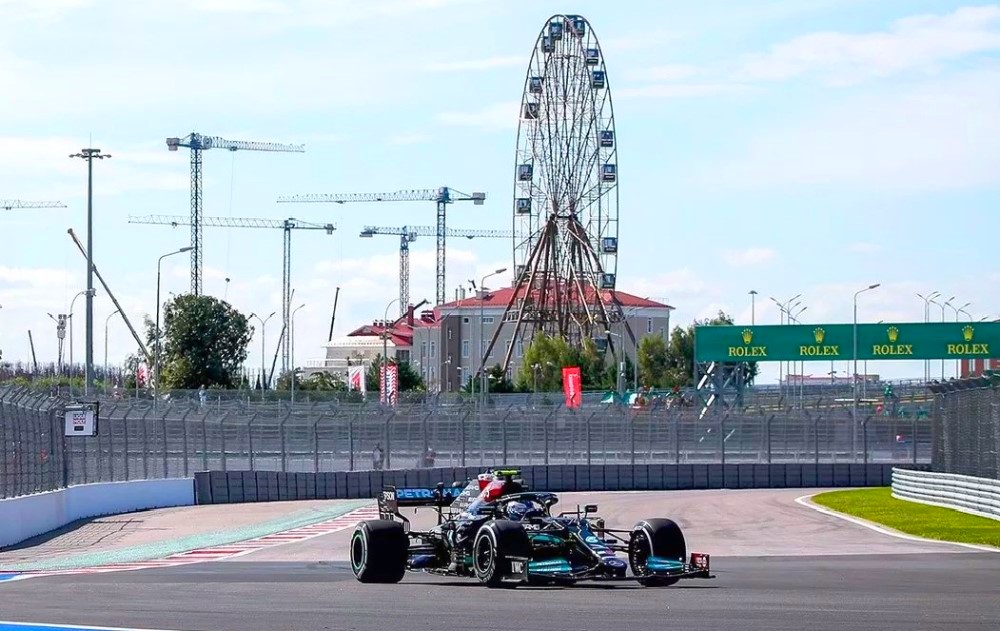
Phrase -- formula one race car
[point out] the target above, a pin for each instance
(499, 532)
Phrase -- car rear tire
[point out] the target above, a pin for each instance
(379, 549)
(496, 543)
(655, 537)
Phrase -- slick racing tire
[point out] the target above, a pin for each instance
(655, 537)
(496, 543)
(379, 549)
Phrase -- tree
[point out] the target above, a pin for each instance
(653, 361)
(542, 364)
(204, 343)
(409, 379)
(499, 383)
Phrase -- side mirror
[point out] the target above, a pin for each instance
(590, 508)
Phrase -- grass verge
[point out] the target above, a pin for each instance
(933, 522)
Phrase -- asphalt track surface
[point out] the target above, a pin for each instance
(779, 565)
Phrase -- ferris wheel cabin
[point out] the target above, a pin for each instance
(598, 80)
(555, 30)
(607, 281)
(525, 172)
(535, 85)
(609, 173)
(530, 111)
(548, 45)
(593, 56)
(609, 245)
(522, 206)
(577, 25)
(607, 138)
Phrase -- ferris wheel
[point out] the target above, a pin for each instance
(565, 211)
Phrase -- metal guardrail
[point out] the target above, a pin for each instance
(965, 492)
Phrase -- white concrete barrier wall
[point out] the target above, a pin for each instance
(32, 515)
(980, 496)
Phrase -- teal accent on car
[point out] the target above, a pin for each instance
(546, 539)
(550, 566)
(660, 564)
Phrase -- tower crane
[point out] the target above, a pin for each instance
(11, 204)
(198, 143)
(252, 222)
(440, 196)
(410, 233)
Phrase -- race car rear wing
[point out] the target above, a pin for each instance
(392, 498)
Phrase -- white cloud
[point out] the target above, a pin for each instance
(678, 90)
(749, 256)
(936, 135)
(488, 63)
(666, 72)
(864, 247)
(668, 285)
(498, 117)
(411, 138)
(913, 43)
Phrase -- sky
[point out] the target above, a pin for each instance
(770, 145)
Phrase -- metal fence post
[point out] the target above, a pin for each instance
(503, 436)
(250, 450)
(589, 419)
(461, 431)
(316, 444)
(145, 445)
(388, 438)
(204, 441)
(284, 451)
(864, 438)
(350, 444)
(816, 439)
(768, 434)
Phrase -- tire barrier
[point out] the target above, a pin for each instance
(222, 487)
(980, 496)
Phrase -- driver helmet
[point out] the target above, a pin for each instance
(517, 511)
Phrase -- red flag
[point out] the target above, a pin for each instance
(573, 386)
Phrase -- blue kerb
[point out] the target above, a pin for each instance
(6, 576)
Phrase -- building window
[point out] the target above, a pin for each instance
(449, 335)
(649, 325)
(487, 319)
(465, 320)
(433, 350)
(423, 350)
(663, 333)
(520, 347)
(482, 348)
(465, 348)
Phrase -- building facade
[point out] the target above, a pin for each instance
(450, 340)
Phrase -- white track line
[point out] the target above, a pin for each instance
(35, 625)
(804, 500)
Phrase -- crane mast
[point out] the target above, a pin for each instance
(287, 225)
(441, 197)
(410, 233)
(197, 143)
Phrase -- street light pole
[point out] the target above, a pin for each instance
(753, 307)
(89, 155)
(291, 347)
(943, 305)
(106, 321)
(72, 304)
(482, 359)
(384, 393)
(854, 381)
(927, 318)
(156, 352)
(263, 360)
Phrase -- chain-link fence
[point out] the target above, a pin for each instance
(967, 427)
(140, 440)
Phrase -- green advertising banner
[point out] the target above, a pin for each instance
(826, 342)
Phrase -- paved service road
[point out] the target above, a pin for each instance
(779, 566)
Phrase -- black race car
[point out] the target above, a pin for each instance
(503, 534)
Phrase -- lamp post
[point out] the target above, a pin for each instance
(291, 347)
(89, 155)
(482, 358)
(156, 353)
(72, 303)
(927, 318)
(106, 321)
(263, 360)
(958, 310)
(753, 306)
(943, 305)
(384, 394)
(783, 307)
(854, 381)
(802, 365)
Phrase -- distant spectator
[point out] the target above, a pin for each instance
(429, 457)
(378, 458)
(202, 395)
